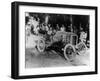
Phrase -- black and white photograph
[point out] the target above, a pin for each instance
(50, 40)
(54, 40)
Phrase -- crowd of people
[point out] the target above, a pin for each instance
(33, 26)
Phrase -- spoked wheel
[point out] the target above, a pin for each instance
(81, 48)
(69, 52)
(41, 45)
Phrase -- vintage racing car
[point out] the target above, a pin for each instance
(65, 43)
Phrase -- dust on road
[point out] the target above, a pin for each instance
(34, 59)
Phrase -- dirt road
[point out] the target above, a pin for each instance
(34, 59)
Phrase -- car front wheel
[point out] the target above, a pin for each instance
(69, 52)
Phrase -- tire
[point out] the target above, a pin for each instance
(69, 52)
(81, 48)
(41, 45)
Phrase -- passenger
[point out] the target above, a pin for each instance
(50, 31)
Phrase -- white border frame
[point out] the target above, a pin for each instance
(54, 70)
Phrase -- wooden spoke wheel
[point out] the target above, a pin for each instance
(69, 52)
(81, 48)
